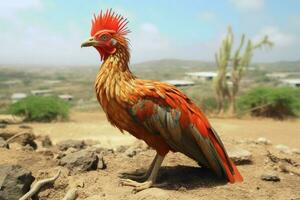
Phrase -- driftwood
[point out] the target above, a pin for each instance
(38, 185)
(15, 136)
(12, 138)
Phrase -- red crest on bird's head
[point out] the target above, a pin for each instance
(109, 21)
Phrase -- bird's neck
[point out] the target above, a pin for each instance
(113, 75)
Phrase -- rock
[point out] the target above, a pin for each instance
(15, 181)
(295, 151)
(3, 125)
(80, 161)
(283, 149)
(15, 146)
(27, 139)
(64, 145)
(263, 140)
(27, 147)
(240, 156)
(270, 176)
(130, 152)
(3, 143)
(10, 119)
(101, 163)
(70, 150)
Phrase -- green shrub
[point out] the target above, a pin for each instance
(42, 109)
(279, 103)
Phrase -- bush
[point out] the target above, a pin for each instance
(279, 103)
(42, 109)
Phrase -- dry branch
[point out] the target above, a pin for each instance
(38, 185)
(15, 136)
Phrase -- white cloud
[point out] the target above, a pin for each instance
(40, 46)
(9, 9)
(281, 39)
(148, 43)
(248, 5)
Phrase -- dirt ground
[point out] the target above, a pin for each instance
(182, 176)
(94, 126)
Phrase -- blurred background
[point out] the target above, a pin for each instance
(222, 54)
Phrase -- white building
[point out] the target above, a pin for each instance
(66, 97)
(41, 92)
(291, 82)
(180, 83)
(18, 96)
(202, 76)
(277, 75)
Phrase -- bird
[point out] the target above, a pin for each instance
(161, 115)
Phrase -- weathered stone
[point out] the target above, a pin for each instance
(130, 152)
(270, 176)
(10, 119)
(283, 149)
(64, 145)
(101, 163)
(80, 161)
(295, 151)
(263, 140)
(27, 147)
(15, 181)
(240, 156)
(3, 143)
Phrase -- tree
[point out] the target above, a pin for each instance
(239, 62)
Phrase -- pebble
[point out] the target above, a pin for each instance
(270, 176)
(240, 156)
(263, 140)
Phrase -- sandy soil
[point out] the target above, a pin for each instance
(95, 126)
(182, 176)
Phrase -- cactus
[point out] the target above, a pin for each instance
(239, 61)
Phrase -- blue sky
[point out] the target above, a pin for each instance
(49, 32)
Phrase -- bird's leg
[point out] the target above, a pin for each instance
(141, 176)
(151, 179)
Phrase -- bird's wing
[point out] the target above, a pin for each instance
(164, 110)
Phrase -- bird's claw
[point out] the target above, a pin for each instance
(137, 186)
(136, 176)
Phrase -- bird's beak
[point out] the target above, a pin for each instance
(90, 42)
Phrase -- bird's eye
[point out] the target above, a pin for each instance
(103, 37)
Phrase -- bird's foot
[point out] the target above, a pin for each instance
(137, 186)
(137, 176)
(140, 186)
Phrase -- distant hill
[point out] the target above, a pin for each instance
(290, 66)
(174, 63)
(203, 65)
